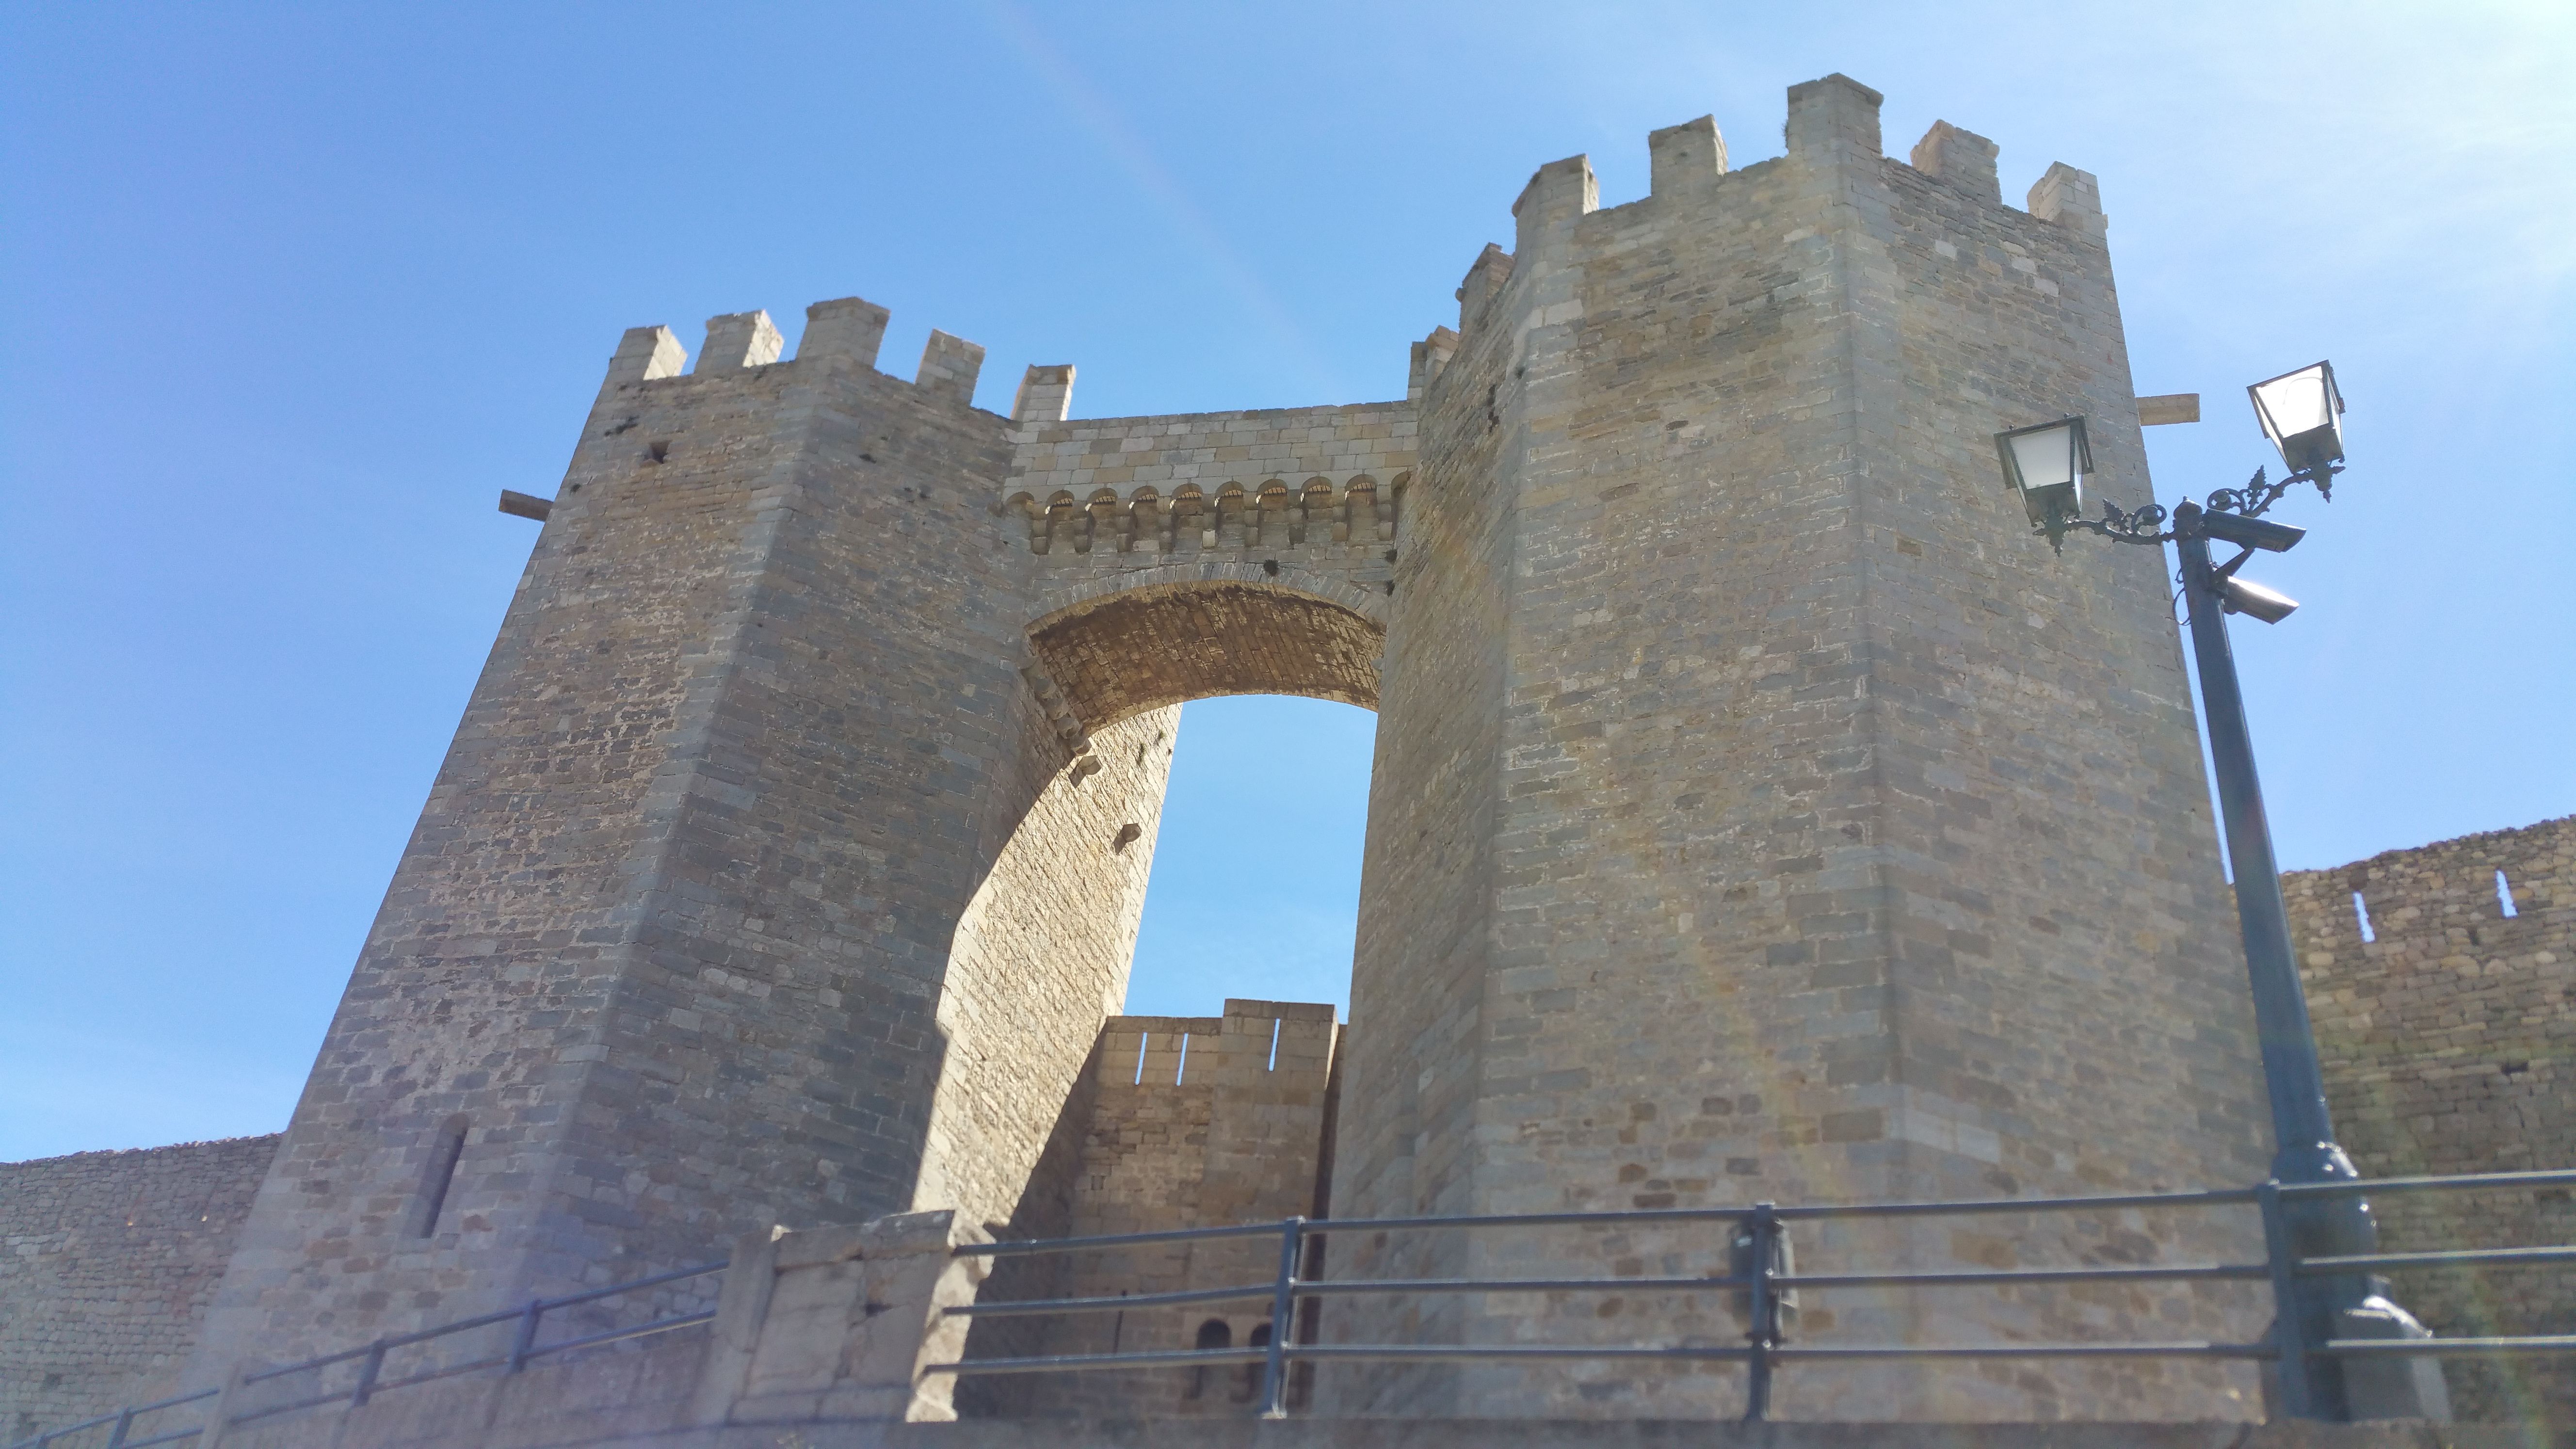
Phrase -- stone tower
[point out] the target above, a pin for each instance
(1758, 810)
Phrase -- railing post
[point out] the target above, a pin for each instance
(368, 1367)
(2289, 1312)
(124, 1422)
(526, 1343)
(1283, 1315)
(1757, 1244)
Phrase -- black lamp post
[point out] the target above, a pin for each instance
(2301, 413)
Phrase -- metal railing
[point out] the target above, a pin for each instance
(369, 1374)
(1758, 1272)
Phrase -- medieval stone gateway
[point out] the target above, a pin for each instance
(1759, 812)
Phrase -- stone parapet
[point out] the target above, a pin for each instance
(2448, 1037)
(1194, 1122)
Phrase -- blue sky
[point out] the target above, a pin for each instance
(294, 291)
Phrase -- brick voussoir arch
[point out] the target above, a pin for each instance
(1119, 646)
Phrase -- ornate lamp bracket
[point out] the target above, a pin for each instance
(2147, 524)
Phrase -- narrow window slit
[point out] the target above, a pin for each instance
(1143, 1039)
(435, 1176)
(2504, 896)
(1277, 1022)
(1182, 1073)
(2361, 913)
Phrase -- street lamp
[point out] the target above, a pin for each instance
(2301, 412)
(2046, 464)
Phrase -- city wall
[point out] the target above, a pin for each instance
(107, 1263)
(2449, 1041)
(1194, 1122)
(2449, 1044)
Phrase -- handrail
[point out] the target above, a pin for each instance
(1760, 1275)
(2457, 1182)
(371, 1358)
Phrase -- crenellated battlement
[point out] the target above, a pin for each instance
(847, 329)
(1833, 124)
(1287, 1045)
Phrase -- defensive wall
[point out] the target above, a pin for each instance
(107, 1262)
(1758, 811)
(2449, 1040)
(2449, 1044)
(1196, 1121)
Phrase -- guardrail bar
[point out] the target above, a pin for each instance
(2464, 1182)
(656, 1281)
(1071, 1361)
(616, 1335)
(1030, 1307)
(1024, 1247)
(2449, 1347)
(2461, 1258)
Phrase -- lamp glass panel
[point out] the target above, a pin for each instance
(2295, 404)
(2045, 458)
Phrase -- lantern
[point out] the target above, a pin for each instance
(2302, 413)
(2046, 464)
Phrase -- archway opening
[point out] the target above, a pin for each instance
(1255, 885)
(1255, 880)
(1200, 740)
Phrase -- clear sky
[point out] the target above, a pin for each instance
(292, 292)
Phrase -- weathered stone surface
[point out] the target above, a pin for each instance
(107, 1263)
(2449, 1045)
(1191, 1122)
(1759, 811)
(1763, 813)
(635, 1400)
(755, 888)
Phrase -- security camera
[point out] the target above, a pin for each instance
(2269, 605)
(2246, 532)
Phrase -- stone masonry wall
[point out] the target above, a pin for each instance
(1119, 491)
(2449, 1044)
(1845, 843)
(1178, 557)
(1758, 809)
(689, 939)
(107, 1263)
(1194, 1122)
